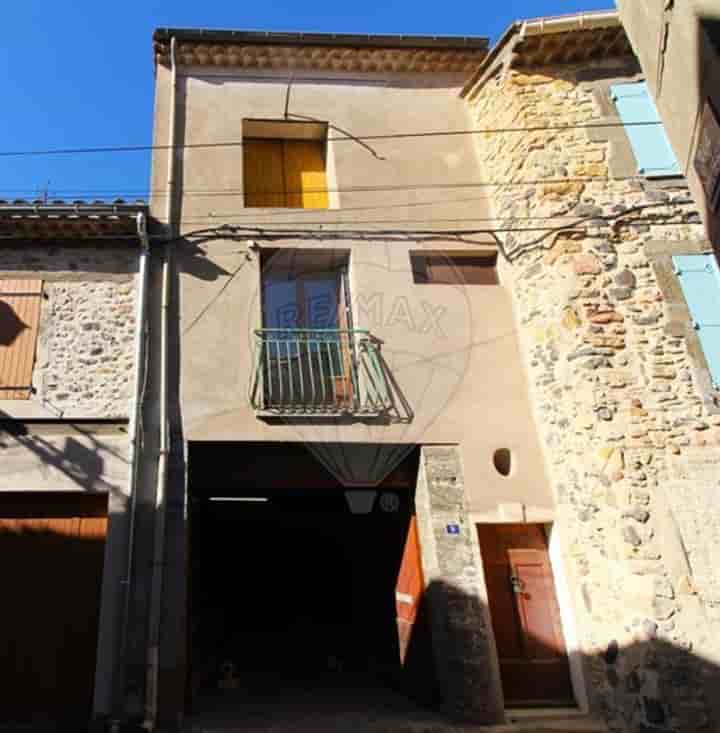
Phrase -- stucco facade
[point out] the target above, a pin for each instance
(450, 361)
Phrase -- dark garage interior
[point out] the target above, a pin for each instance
(291, 592)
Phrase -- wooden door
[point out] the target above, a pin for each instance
(53, 550)
(525, 615)
(409, 589)
(416, 665)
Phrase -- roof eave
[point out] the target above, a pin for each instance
(202, 35)
(598, 20)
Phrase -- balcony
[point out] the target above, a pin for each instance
(319, 372)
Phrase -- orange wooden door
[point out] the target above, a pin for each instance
(409, 589)
(525, 615)
(416, 664)
(54, 549)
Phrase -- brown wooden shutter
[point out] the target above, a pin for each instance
(448, 269)
(19, 320)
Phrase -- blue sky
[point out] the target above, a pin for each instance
(79, 73)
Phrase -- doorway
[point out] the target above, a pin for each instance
(532, 653)
(294, 594)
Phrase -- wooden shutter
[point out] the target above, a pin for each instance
(305, 180)
(700, 281)
(441, 269)
(263, 176)
(650, 143)
(19, 320)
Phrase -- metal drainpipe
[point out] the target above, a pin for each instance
(135, 421)
(154, 626)
(580, 21)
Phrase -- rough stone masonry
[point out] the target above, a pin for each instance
(84, 358)
(630, 434)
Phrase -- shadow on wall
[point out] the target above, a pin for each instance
(79, 459)
(650, 685)
(12, 326)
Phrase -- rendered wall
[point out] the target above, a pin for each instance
(452, 350)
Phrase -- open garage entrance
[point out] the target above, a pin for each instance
(296, 588)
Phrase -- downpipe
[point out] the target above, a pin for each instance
(155, 620)
(134, 460)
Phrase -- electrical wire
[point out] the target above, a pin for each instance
(237, 192)
(353, 138)
(228, 231)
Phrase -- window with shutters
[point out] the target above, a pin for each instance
(284, 164)
(651, 146)
(699, 277)
(19, 320)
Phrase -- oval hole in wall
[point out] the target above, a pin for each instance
(502, 460)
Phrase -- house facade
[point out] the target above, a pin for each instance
(419, 400)
(68, 355)
(678, 47)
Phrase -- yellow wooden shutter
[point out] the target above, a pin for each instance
(305, 180)
(19, 321)
(263, 173)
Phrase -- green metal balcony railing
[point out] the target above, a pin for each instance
(309, 372)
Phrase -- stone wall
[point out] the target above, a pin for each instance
(84, 359)
(86, 349)
(457, 607)
(630, 438)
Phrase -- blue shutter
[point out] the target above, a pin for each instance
(650, 143)
(700, 281)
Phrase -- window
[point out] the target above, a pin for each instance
(700, 282)
(448, 269)
(284, 164)
(19, 320)
(306, 343)
(653, 153)
(303, 290)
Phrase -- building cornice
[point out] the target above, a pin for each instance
(320, 52)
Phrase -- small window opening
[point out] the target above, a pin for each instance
(502, 460)
(439, 268)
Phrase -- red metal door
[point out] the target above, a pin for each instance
(525, 616)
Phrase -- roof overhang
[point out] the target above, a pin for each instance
(27, 220)
(564, 39)
(320, 51)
